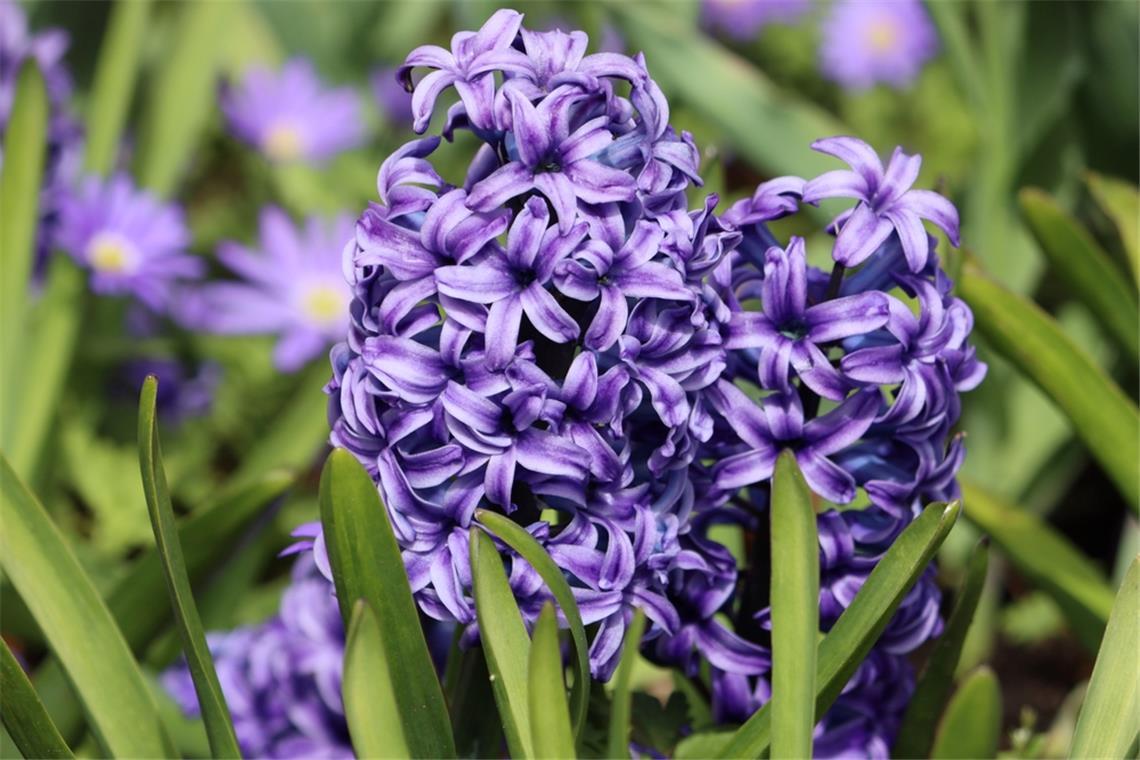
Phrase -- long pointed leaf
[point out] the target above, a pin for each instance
(23, 713)
(1047, 559)
(1121, 202)
(971, 727)
(516, 537)
(795, 610)
(25, 146)
(546, 691)
(77, 624)
(1110, 716)
(367, 564)
(504, 641)
(1104, 418)
(369, 698)
(211, 701)
(618, 741)
(1085, 268)
(857, 629)
(936, 682)
(115, 76)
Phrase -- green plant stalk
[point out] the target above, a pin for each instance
(181, 96)
(78, 626)
(546, 692)
(937, 680)
(1103, 417)
(25, 148)
(115, 75)
(857, 629)
(24, 716)
(795, 610)
(1110, 717)
(617, 745)
(211, 700)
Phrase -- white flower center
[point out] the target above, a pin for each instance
(325, 304)
(283, 142)
(111, 253)
(882, 35)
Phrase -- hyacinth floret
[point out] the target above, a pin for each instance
(562, 339)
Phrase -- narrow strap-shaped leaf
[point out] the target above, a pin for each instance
(620, 708)
(25, 146)
(1047, 559)
(515, 536)
(369, 699)
(505, 642)
(367, 564)
(182, 96)
(1104, 418)
(211, 701)
(24, 716)
(1085, 268)
(971, 727)
(795, 610)
(857, 629)
(77, 624)
(546, 691)
(1110, 717)
(1120, 201)
(933, 688)
(115, 75)
(206, 537)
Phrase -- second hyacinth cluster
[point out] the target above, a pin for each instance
(558, 336)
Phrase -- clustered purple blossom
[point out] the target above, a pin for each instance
(282, 678)
(47, 49)
(561, 339)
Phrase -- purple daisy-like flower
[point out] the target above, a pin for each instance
(870, 41)
(292, 286)
(743, 19)
(131, 242)
(395, 102)
(47, 49)
(290, 115)
(887, 203)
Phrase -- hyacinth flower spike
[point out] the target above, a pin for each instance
(887, 203)
(789, 333)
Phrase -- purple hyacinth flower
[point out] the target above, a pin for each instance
(292, 286)
(870, 41)
(743, 19)
(789, 333)
(468, 66)
(514, 283)
(289, 115)
(779, 423)
(132, 242)
(555, 160)
(887, 203)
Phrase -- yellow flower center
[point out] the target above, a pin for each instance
(882, 36)
(111, 253)
(324, 304)
(283, 142)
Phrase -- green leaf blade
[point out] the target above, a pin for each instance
(211, 701)
(78, 626)
(370, 705)
(24, 716)
(1121, 202)
(934, 686)
(618, 739)
(1086, 268)
(1047, 559)
(971, 726)
(367, 564)
(115, 75)
(1110, 717)
(1104, 418)
(546, 692)
(857, 629)
(505, 642)
(795, 610)
(516, 537)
